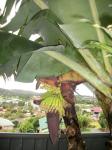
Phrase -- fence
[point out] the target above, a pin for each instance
(14, 141)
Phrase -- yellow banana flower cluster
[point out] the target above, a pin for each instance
(52, 101)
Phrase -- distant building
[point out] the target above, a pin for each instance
(96, 111)
(43, 127)
(6, 124)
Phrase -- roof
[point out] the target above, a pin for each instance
(5, 122)
(96, 109)
(43, 123)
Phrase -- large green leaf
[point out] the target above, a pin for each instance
(48, 31)
(78, 26)
(7, 9)
(84, 71)
(38, 64)
(75, 15)
(12, 45)
(26, 11)
(95, 66)
(68, 11)
(44, 23)
(6, 70)
(41, 4)
(79, 32)
(75, 19)
(102, 47)
(92, 60)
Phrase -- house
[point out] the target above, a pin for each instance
(6, 124)
(96, 111)
(43, 127)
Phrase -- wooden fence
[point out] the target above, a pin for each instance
(15, 141)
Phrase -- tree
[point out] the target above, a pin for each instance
(84, 121)
(102, 121)
(29, 125)
(72, 37)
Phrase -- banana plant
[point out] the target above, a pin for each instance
(73, 36)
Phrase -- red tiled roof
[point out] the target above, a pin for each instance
(96, 109)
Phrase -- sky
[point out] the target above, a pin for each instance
(2, 3)
(11, 84)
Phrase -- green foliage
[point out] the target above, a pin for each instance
(13, 114)
(16, 123)
(102, 121)
(77, 108)
(86, 100)
(84, 121)
(7, 114)
(21, 103)
(58, 25)
(94, 124)
(29, 125)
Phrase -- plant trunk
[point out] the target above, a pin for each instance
(73, 133)
(106, 105)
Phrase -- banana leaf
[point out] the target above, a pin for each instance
(9, 68)
(41, 4)
(26, 11)
(37, 64)
(61, 64)
(13, 45)
(84, 71)
(95, 66)
(78, 20)
(7, 9)
(76, 28)
(45, 24)
(80, 10)
(47, 30)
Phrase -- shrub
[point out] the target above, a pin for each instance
(84, 121)
(102, 121)
(29, 125)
